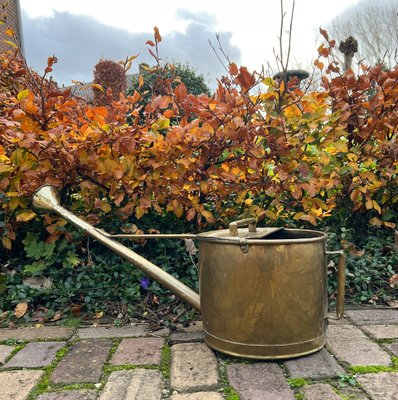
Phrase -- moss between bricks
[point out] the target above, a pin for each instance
(164, 366)
(297, 382)
(223, 362)
(374, 369)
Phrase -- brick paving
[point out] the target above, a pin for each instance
(263, 381)
(35, 354)
(140, 351)
(140, 384)
(107, 363)
(321, 365)
(5, 351)
(193, 367)
(349, 344)
(84, 362)
(70, 395)
(320, 391)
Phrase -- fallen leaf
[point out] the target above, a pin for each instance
(57, 316)
(392, 303)
(21, 309)
(76, 309)
(394, 280)
(99, 314)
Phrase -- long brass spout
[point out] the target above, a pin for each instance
(46, 199)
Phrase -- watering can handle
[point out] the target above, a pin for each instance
(233, 226)
(340, 283)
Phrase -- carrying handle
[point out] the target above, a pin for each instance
(340, 283)
(233, 226)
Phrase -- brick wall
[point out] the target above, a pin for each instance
(13, 20)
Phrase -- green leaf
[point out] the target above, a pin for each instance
(38, 249)
(35, 267)
(72, 259)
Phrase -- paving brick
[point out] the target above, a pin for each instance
(138, 330)
(197, 396)
(381, 331)
(69, 395)
(320, 391)
(262, 381)
(140, 351)
(186, 337)
(374, 316)
(83, 363)
(43, 332)
(349, 344)
(16, 385)
(193, 367)
(353, 393)
(35, 354)
(137, 384)
(320, 365)
(5, 351)
(383, 385)
(393, 347)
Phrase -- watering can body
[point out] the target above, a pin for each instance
(264, 298)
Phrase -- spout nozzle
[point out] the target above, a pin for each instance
(45, 199)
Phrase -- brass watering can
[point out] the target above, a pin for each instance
(263, 291)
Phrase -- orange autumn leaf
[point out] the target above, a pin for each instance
(245, 79)
(233, 69)
(157, 36)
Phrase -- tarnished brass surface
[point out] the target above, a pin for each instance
(340, 283)
(46, 199)
(262, 290)
(265, 298)
(233, 226)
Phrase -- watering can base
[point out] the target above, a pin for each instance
(264, 352)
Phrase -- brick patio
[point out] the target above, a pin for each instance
(360, 361)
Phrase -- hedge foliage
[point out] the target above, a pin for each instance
(279, 154)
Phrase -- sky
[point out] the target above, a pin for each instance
(81, 32)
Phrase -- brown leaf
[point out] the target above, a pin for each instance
(392, 303)
(394, 280)
(20, 309)
(233, 69)
(57, 316)
(157, 36)
(324, 33)
(191, 214)
(76, 309)
(245, 79)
